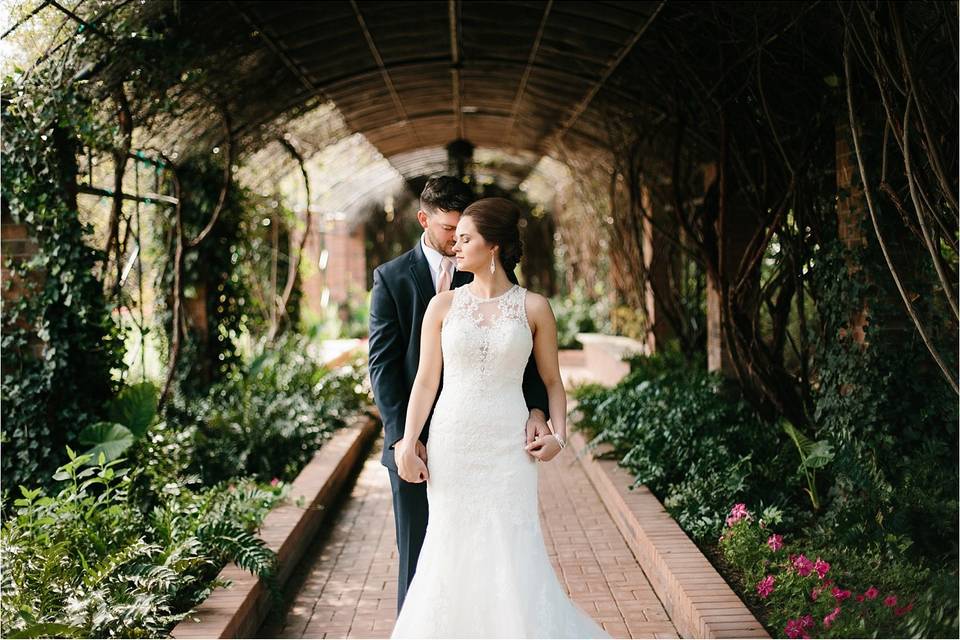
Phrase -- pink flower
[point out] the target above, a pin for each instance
(815, 593)
(890, 601)
(738, 512)
(802, 564)
(899, 611)
(275, 482)
(840, 594)
(765, 586)
(871, 593)
(794, 629)
(807, 621)
(859, 597)
(775, 542)
(830, 617)
(821, 567)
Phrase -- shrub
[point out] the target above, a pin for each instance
(265, 420)
(88, 562)
(811, 589)
(690, 440)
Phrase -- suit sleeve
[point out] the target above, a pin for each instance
(534, 391)
(386, 351)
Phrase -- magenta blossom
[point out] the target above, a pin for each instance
(899, 611)
(830, 617)
(737, 513)
(765, 586)
(890, 601)
(794, 629)
(775, 542)
(821, 567)
(807, 621)
(840, 594)
(815, 592)
(802, 564)
(871, 593)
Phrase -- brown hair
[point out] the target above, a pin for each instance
(497, 220)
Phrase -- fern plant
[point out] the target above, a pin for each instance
(88, 562)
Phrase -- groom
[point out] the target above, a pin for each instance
(402, 288)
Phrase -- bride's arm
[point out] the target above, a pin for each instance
(548, 363)
(424, 390)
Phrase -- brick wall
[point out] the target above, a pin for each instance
(18, 246)
(345, 275)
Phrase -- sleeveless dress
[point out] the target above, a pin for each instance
(483, 570)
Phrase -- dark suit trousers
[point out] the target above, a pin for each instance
(410, 516)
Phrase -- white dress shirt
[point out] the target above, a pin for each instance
(433, 259)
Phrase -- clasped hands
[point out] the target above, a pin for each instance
(411, 458)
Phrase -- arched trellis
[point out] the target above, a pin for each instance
(696, 94)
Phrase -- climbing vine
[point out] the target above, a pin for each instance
(61, 304)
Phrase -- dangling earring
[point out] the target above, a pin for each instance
(493, 267)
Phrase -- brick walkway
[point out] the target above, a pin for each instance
(347, 587)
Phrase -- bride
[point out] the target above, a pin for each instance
(483, 570)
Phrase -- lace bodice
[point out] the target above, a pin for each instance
(486, 342)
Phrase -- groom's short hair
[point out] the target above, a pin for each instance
(445, 193)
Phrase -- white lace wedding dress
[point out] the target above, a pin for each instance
(483, 570)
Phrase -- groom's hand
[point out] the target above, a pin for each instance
(536, 427)
(411, 465)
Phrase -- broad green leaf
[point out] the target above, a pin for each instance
(819, 455)
(135, 407)
(111, 439)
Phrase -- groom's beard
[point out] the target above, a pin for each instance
(444, 250)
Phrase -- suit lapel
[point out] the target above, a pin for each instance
(420, 269)
(461, 278)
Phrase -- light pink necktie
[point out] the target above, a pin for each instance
(443, 282)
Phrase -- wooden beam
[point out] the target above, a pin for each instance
(528, 68)
(452, 14)
(555, 138)
(383, 72)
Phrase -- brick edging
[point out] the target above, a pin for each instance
(698, 600)
(238, 611)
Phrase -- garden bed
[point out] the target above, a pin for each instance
(236, 611)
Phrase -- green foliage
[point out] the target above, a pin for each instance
(580, 312)
(47, 400)
(847, 592)
(88, 562)
(891, 416)
(693, 442)
(212, 275)
(132, 411)
(813, 456)
(265, 420)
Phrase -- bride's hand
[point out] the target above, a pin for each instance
(411, 461)
(544, 448)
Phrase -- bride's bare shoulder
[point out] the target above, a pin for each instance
(439, 305)
(537, 306)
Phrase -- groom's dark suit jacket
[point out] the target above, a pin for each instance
(402, 288)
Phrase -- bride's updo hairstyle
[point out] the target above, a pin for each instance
(497, 221)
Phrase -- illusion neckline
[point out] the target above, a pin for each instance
(473, 295)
